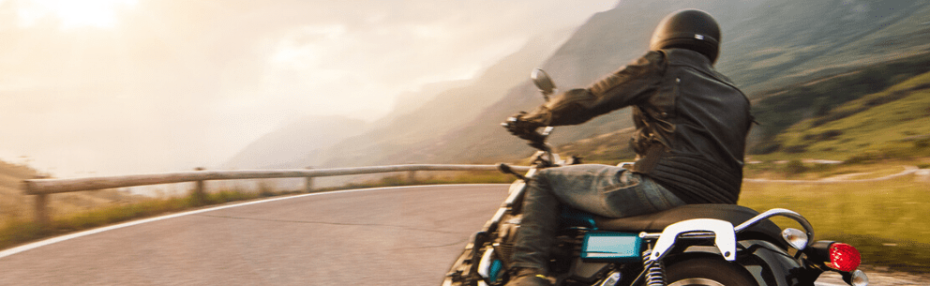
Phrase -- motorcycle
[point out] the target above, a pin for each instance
(710, 244)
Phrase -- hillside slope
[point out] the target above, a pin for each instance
(395, 137)
(295, 140)
(778, 109)
(612, 38)
(767, 45)
(891, 123)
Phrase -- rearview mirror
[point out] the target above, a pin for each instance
(543, 82)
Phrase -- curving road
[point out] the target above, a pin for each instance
(390, 236)
(385, 236)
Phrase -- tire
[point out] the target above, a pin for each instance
(708, 272)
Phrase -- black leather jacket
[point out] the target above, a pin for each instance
(691, 121)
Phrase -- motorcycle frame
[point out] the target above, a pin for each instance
(773, 265)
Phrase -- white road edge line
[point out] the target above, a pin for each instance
(34, 245)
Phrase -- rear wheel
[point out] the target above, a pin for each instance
(708, 272)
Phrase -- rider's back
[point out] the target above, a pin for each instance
(691, 133)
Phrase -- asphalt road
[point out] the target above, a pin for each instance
(394, 236)
(390, 236)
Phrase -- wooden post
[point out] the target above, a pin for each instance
(199, 195)
(42, 216)
(308, 183)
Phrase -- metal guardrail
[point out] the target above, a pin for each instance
(42, 188)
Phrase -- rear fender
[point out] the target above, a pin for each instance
(768, 264)
(772, 266)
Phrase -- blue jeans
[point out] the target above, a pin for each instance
(603, 190)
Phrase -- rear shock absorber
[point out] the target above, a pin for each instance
(655, 274)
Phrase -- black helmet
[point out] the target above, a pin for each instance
(688, 29)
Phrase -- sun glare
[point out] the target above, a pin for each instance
(84, 13)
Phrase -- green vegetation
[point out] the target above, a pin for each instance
(885, 220)
(891, 124)
(817, 100)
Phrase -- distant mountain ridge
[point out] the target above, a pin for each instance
(767, 44)
(295, 140)
(585, 58)
(417, 118)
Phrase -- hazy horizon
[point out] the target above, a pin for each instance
(110, 87)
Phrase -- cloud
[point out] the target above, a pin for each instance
(176, 84)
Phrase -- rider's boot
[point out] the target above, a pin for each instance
(527, 277)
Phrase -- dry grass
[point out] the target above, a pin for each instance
(17, 230)
(797, 170)
(885, 220)
(15, 206)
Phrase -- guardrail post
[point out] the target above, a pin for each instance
(42, 216)
(412, 176)
(308, 183)
(199, 196)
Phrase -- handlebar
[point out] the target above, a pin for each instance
(544, 157)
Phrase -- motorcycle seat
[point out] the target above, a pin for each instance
(656, 222)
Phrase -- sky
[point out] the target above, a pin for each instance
(115, 87)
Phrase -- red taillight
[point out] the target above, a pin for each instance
(844, 257)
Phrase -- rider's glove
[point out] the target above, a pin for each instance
(522, 128)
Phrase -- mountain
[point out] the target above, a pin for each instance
(301, 143)
(295, 140)
(409, 102)
(597, 49)
(767, 45)
(390, 142)
(784, 41)
(817, 97)
(612, 38)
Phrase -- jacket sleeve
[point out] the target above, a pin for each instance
(629, 85)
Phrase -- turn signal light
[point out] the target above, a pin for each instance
(844, 257)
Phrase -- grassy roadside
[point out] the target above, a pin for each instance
(19, 230)
(885, 220)
(798, 170)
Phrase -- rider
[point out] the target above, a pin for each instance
(691, 126)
